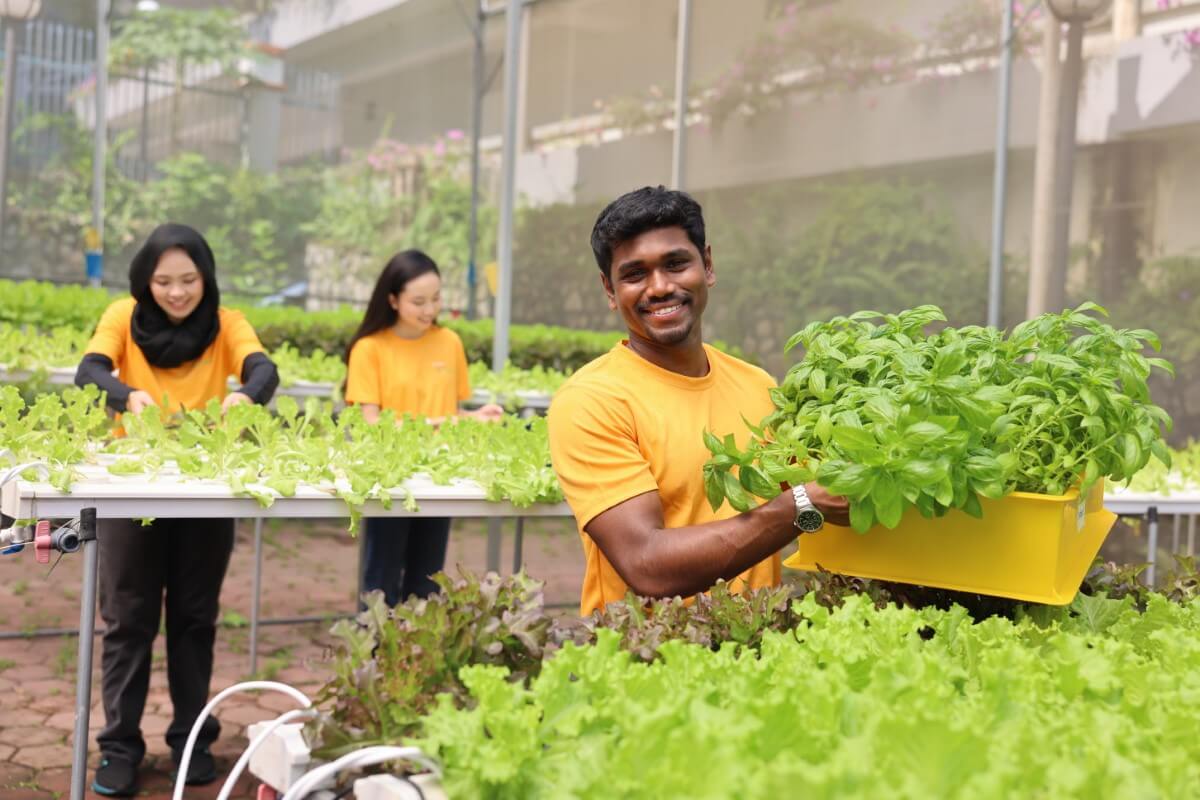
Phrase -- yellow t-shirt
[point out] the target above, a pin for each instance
(190, 385)
(426, 376)
(622, 426)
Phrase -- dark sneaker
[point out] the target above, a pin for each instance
(202, 768)
(115, 777)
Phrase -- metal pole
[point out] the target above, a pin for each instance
(1152, 544)
(683, 46)
(255, 595)
(1042, 232)
(143, 144)
(995, 309)
(83, 669)
(508, 184)
(1064, 177)
(495, 537)
(518, 545)
(477, 89)
(6, 113)
(99, 156)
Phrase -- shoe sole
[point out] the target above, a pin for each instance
(107, 792)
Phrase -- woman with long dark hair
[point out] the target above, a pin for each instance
(400, 359)
(171, 343)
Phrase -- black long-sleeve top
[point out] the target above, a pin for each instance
(260, 379)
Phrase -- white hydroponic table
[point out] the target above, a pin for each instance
(1152, 505)
(100, 495)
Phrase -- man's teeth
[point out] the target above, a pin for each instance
(662, 312)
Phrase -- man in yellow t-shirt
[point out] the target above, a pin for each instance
(626, 431)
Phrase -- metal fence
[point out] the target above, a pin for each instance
(156, 113)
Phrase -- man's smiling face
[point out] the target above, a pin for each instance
(659, 282)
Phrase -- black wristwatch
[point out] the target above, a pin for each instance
(808, 519)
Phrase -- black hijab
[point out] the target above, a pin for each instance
(164, 343)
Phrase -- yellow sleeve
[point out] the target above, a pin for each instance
(239, 339)
(595, 453)
(362, 374)
(464, 378)
(109, 338)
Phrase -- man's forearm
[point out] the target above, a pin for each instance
(685, 561)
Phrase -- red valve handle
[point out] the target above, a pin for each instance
(41, 541)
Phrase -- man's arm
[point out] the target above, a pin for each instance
(656, 561)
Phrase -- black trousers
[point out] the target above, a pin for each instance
(186, 559)
(400, 553)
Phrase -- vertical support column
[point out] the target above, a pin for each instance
(1042, 233)
(83, 669)
(264, 120)
(6, 113)
(256, 595)
(518, 545)
(477, 90)
(508, 187)
(995, 308)
(1126, 20)
(508, 184)
(1064, 162)
(1152, 545)
(100, 143)
(683, 46)
(495, 537)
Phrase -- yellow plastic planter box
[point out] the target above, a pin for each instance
(1032, 547)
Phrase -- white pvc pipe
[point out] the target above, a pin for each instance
(236, 772)
(365, 757)
(247, 686)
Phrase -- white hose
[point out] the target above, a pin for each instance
(356, 760)
(247, 686)
(13, 472)
(288, 716)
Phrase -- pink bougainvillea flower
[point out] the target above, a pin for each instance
(455, 135)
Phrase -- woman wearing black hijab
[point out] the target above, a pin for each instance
(170, 344)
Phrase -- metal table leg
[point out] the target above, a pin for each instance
(518, 544)
(256, 595)
(1152, 544)
(495, 537)
(362, 565)
(83, 669)
(1175, 525)
(1191, 538)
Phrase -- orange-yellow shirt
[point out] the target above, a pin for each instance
(622, 426)
(426, 376)
(189, 385)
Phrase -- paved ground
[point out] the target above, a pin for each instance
(309, 569)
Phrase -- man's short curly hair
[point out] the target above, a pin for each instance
(641, 210)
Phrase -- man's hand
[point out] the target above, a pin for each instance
(233, 399)
(138, 400)
(835, 508)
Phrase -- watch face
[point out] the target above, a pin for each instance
(810, 520)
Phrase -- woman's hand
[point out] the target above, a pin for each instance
(138, 400)
(234, 399)
(489, 412)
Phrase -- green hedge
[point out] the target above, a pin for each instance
(49, 306)
(530, 346)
